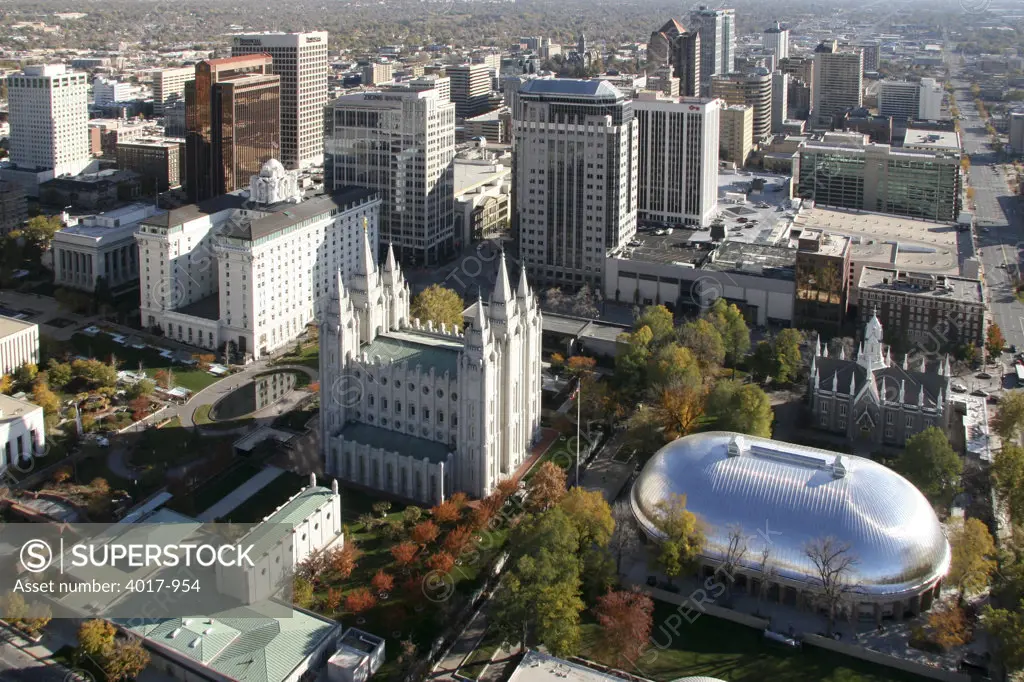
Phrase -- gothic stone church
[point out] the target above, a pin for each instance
(420, 411)
(873, 399)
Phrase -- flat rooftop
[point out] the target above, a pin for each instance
(921, 246)
(12, 408)
(284, 215)
(470, 175)
(396, 441)
(932, 139)
(9, 325)
(946, 287)
(538, 667)
(769, 260)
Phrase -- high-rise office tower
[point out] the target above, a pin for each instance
(776, 39)
(443, 85)
(717, 28)
(49, 116)
(300, 59)
(169, 86)
(672, 45)
(736, 133)
(575, 170)
(871, 50)
(470, 88)
(233, 123)
(903, 99)
(677, 178)
(801, 85)
(780, 100)
(753, 89)
(838, 82)
(400, 143)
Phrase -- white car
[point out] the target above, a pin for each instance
(959, 388)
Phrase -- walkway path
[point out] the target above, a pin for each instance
(236, 497)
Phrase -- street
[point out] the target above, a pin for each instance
(998, 216)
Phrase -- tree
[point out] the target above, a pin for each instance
(788, 358)
(580, 365)
(659, 320)
(1009, 420)
(632, 353)
(1008, 478)
(441, 562)
(706, 344)
(973, 557)
(141, 388)
(139, 407)
(674, 364)
(994, 341)
(6, 384)
(457, 540)
(679, 408)
(164, 378)
(928, 461)
(948, 626)
(439, 305)
(333, 599)
(626, 620)
(45, 398)
(94, 636)
(1007, 626)
(58, 374)
(446, 512)
(833, 564)
(381, 508)
(404, 554)
(540, 594)
(728, 320)
(39, 230)
(359, 600)
(546, 488)
(302, 592)
(625, 538)
(125, 660)
(25, 374)
(592, 517)
(735, 553)
(412, 515)
(424, 532)
(382, 582)
(682, 537)
(743, 408)
(763, 363)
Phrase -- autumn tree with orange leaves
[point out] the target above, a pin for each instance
(626, 619)
(359, 600)
(382, 582)
(546, 488)
(442, 562)
(424, 533)
(404, 553)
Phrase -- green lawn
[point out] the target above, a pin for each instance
(717, 648)
(560, 454)
(309, 356)
(102, 347)
(201, 416)
(270, 498)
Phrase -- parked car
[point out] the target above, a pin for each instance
(959, 388)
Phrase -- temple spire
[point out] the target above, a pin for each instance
(367, 264)
(524, 287)
(502, 288)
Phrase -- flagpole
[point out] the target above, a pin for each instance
(579, 401)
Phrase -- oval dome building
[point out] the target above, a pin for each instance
(782, 497)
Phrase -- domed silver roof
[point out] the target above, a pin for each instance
(785, 496)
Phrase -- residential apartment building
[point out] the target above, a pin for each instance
(443, 85)
(160, 162)
(300, 61)
(753, 89)
(378, 73)
(49, 117)
(248, 271)
(717, 28)
(872, 53)
(940, 310)
(233, 120)
(838, 82)
(780, 101)
(575, 171)
(736, 133)
(848, 171)
(19, 343)
(801, 85)
(470, 88)
(776, 40)
(401, 144)
(169, 86)
(107, 91)
(22, 433)
(99, 253)
(677, 179)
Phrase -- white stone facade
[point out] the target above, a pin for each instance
(421, 412)
(19, 343)
(22, 432)
(49, 110)
(248, 274)
(98, 246)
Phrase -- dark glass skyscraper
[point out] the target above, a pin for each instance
(233, 123)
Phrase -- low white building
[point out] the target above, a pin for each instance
(483, 198)
(247, 269)
(101, 245)
(19, 343)
(22, 431)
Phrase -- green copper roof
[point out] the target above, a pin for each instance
(441, 355)
(279, 525)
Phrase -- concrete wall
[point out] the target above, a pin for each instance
(884, 659)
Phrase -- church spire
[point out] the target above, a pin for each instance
(367, 264)
(502, 288)
(524, 286)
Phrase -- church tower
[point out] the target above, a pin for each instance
(871, 355)
(368, 293)
(339, 343)
(396, 292)
(478, 385)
